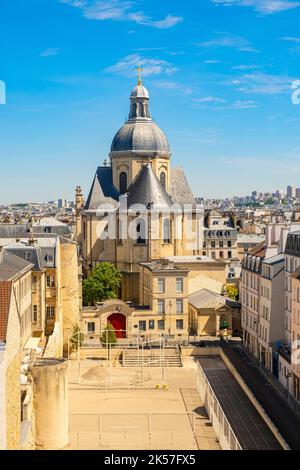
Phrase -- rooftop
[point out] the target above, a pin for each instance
(192, 259)
(206, 298)
(12, 266)
(164, 266)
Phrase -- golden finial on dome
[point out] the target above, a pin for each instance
(139, 69)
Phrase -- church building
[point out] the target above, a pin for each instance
(138, 177)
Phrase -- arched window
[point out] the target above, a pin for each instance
(163, 179)
(167, 230)
(123, 182)
(141, 232)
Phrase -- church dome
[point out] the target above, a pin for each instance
(139, 91)
(139, 136)
(140, 133)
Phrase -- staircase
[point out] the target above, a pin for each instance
(151, 358)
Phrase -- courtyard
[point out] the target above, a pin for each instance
(125, 409)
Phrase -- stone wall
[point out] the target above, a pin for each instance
(70, 302)
(13, 404)
(55, 345)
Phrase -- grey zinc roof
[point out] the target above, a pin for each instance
(24, 230)
(274, 259)
(180, 190)
(146, 189)
(12, 265)
(139, 91)
(13, 230)
(140, 135)
(103, 190)
(206, 298)
(23, 251)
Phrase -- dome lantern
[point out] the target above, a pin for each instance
(140, 133)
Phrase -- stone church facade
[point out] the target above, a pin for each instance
(135, 209)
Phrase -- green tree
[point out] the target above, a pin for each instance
(103, 284)
(76, 338)
(109, 335)
(232, 291)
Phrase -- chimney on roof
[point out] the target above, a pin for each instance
(1, 254)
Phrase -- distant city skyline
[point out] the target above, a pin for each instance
(220, 79)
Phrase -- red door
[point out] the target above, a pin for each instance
(118, 321)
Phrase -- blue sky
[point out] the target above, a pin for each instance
(219, 74)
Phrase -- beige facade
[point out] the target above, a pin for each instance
(127, 254)
(295, 331)
(135, 210)
(54, 302)
(220, 236)
(132, 166)
(15, 331)
(212, 314)
(164, 290)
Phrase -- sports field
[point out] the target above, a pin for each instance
(105, 413)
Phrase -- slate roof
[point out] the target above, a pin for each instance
(5, 298)
(274, 259)
(24, 230)
(12, 266)
(180, 190)
(292, 246)
(102, 190)
(206, 298)
(35, 254)
(146, 189)
(140, 133)
(42, 255)
(140, 136)
(194, 259)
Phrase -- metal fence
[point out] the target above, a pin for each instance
(132, 431)
(221, 426)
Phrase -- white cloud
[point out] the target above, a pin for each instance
(244, 105)
(120, 10)
(291, 39)
(168, 22)
(262, 6)
(245, 67)
(227, 40)
(260, 83)
(127, 66)
(49, 52)
(210, 99)
(175, 87)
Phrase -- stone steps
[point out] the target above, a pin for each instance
(171, 359)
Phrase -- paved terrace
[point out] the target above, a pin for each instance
(143, 418)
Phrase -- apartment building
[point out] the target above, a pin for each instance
(250, 295)
(292, 309)
(261, 293)
(55, 281)
(220, 236)
(271, 306)
(295, 334)
(15, 333)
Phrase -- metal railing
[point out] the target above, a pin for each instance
(221, 426)
(132, 430)
(276, 407)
